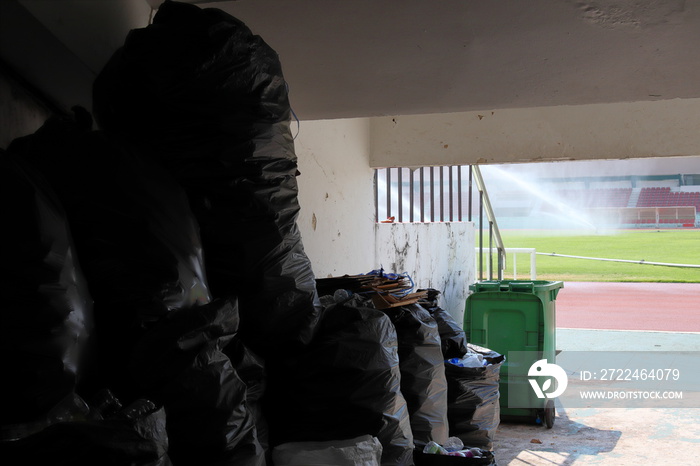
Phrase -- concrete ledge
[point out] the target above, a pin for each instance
(581, 132)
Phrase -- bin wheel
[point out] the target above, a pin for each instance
(549, 414)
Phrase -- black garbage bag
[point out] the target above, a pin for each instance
(197, 91)
(423, 382)
(346, 384)
(452, 337)
(143, 261)
(474, 399)
(46, 315)
(181, 363)
(139, 241)
(251, 369)
(425, 459)
(134, 436)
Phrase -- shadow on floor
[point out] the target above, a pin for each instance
(523, 444)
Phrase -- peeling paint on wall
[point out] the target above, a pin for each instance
(336, 195)
(435, 255)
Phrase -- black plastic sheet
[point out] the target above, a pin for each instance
(157, 332)
(251, 369)
(46, 315)
(133, 436)
(423, 382)
(474, 399)
(345, 385)
(452, 337)
(423, 459)
(197, 91)
(138, 240)
(180, 362)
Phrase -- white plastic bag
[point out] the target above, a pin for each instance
(360, 451)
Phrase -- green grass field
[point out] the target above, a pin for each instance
(667, 246)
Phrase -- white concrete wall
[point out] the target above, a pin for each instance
(336, 194)
(435, 255)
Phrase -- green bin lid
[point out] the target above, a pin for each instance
(521, 286)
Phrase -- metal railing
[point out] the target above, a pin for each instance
(531, 252)
(425, 194)
(441, 194)
(494, 232)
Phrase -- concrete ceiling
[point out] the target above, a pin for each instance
(399, 57)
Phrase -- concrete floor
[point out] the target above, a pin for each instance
(617, 436)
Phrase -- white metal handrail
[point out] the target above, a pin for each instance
(515, 251)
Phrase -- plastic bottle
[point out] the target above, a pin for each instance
(433, 448)
(453, 444)
(468, 360)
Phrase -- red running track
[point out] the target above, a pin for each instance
(667, 307)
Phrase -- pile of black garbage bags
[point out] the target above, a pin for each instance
(158, 305)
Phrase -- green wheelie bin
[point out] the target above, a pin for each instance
(516, 316)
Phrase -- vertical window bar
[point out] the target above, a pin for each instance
(422, 194)
(411, 199)
(481, 237)
(451, 203)
(432, 194)
(388, 192)
(459, 193)
(470, 192)
(442, 194)
(399, 182)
